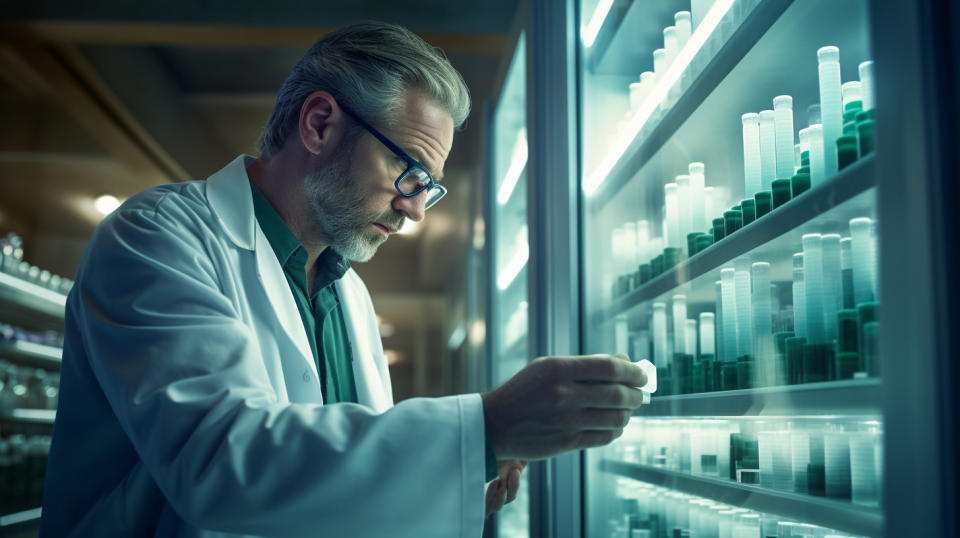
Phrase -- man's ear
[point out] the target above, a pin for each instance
(322, 124)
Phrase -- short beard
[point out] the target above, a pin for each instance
(337, 211)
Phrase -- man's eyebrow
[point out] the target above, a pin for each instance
(416, 154)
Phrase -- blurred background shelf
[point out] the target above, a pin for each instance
(25, 303)
(774, 237)
(32, 353)
(835, 514)
(13, 522)
(32, 416)
(851, 396)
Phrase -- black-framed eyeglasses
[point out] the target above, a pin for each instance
(416, 178)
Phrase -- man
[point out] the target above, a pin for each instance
(222, 371)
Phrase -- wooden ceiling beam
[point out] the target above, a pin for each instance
(75, 95)
(162, 34)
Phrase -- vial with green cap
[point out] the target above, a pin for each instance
(719, 229)
(703, 241)
(799, 183)
(846, 151)
(644, 273)
(732, 220)
(748, 208)
(780, 192)
(763, 202)
(794, 354)
(692, 242)
(865, 136)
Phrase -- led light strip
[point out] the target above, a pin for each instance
(517, 263)
(518, 161)
(589, 32)
(658, 94)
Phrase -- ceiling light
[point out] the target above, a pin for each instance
(106, 204)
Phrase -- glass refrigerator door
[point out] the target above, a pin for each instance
(510, 253)
(730, 237)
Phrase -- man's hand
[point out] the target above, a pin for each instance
(558, 404)
(503, 489)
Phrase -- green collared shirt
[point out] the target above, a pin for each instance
(320, 311)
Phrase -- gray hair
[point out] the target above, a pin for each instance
(367, 68)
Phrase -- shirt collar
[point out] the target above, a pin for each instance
(330, 265)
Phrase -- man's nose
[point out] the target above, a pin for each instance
(413, 206)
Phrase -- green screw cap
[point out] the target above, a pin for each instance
(846, 151)
(799, 183)
(781, 192)
(865, 134)
(719, 229)
(749, 209)
(763, 201)
(733, 221)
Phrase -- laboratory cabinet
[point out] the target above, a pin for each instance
(32, 305)
(507, 229)
(740, 227)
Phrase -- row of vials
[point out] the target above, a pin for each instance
(834, 458)
(650, 511)
(776, 170)
(12, 263)
(749, 337)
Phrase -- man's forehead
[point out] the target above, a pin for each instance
(425, 129)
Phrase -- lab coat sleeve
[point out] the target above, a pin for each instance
(183, 375)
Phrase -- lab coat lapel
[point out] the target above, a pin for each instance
(281, 298)
(228, 192)
(369, 364)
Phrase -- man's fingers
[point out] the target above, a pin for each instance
(607, 368)
(496, 496)
(610, 396)
(513, 484)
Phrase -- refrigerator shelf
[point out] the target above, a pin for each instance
(722, 63)
(26, 302)
(843, 516)
(31, 353)
(30, 416)
(846, 397)
(811, 206)
(10, 522)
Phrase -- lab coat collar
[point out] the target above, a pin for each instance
(228, 191)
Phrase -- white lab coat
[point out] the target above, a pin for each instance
(190, 404)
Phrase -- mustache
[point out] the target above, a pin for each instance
(395, 221)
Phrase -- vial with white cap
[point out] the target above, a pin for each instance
(831, 106)
(783, 118)
(659, 63)
(751, 153)
(832, 295)
(659, 326)
(683, 206)
(707, 339)
(799, 297)
(768, 151)
(670, 44)
(813, 284)
(763, 352)
(866, 85)
(684, 26)
(720, 353)
(728, 286)
(864, 260)
(672, 209)
(680, 324)
(697, 194)
(744, 315)
(818, 164)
